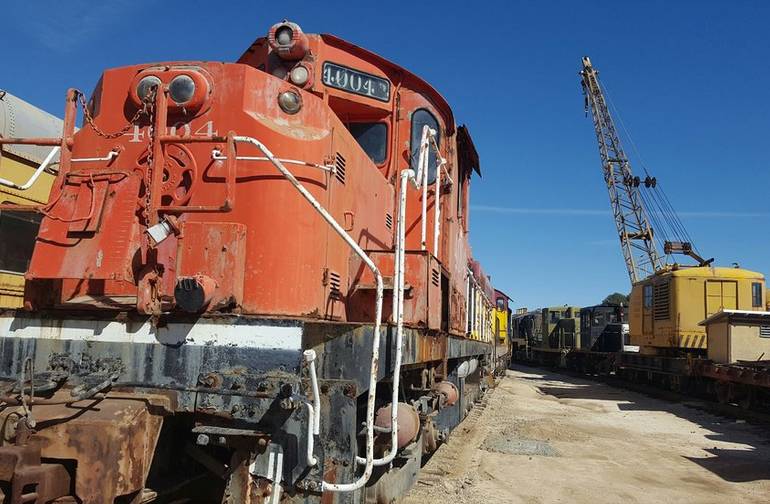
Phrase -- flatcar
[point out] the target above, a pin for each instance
(252, 283)
(22, 184)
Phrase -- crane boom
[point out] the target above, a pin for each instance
(633, 225)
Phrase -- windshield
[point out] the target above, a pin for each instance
(373, 138)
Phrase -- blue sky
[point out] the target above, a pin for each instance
(691, 79)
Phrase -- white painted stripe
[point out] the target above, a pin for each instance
(201, 333)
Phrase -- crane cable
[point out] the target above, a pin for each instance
(662, 213)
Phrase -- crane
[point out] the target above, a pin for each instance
(633, 222)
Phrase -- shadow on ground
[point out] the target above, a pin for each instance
(733, 465)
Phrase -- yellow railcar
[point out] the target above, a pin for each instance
(480, 313)
(18, 164)
(502, 316)
(666, 308)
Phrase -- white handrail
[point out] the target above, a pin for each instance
(314, 411)
(110, 155)
(311, 460)
(217, 155)
(310, 356)
(361, 481)
(398, 315)
(437, 197)
(420, 180)
(40, 169)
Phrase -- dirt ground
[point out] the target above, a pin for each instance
(549, 438)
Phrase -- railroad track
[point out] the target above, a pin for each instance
(728, 410)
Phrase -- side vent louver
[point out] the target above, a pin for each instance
(660, 307)
(339, 164)
(764, 331)
(389, 221)
(435, 277)
(334, 285)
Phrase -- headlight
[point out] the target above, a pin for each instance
(284, 35)
(144, 86)
(181, 89)
(299, 75)
(288, 41)
(290, 102)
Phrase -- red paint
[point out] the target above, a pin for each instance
(240, 223)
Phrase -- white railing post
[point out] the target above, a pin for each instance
(374, 365)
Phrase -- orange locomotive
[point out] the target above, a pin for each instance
(241, 267)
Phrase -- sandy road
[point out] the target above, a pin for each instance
(549, 438)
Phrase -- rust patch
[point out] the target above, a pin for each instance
(112, 442)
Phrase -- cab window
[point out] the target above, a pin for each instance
(18, 231)
(647, 296)
(501, 304)
(373, 139)
(420, 118)
(756, 295)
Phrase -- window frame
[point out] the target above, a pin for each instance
(647, 294)
(412, 159)
(387, 140)
(756, 296)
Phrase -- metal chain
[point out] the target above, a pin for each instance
(146, 110)
(147, 104)
(148, 172)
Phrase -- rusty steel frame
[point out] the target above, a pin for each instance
(735, 373)
(341, 380)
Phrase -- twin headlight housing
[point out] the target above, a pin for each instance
(188, 88)
(181, 89)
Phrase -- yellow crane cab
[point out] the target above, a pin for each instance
(667, 307)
